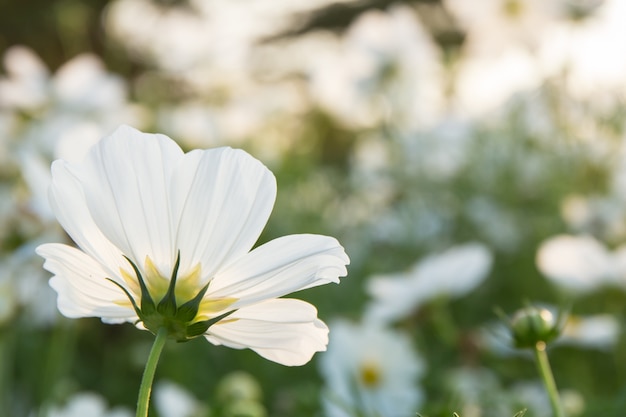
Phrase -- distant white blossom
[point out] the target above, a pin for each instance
(452, 273)
(26, 85)
(370, 371)
(172, 400)
(600, 331)
(87, 404)
(66, 112)
(385, 67)
(581, 263)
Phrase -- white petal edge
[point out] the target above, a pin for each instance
(221, 199)
(285, 331)
(281, 266)
(82, 287)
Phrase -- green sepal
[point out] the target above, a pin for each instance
(166, 314)
(167, 305)
(189, 310)
(199, 328)
(130, 297)
(148, 307)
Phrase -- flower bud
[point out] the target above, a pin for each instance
(532, 325)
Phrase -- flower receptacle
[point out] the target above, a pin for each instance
(181, 322)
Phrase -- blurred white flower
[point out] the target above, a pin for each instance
(515, 45)
(485, 83)
(155, 225)
(370, 371)
(220, 35)
(452, 273)
(24, 288)
(171, 400)
(84, 85)
(248, 113)
(580, 263)
(385, 66)
(493, 26)
(194, 123)
(87, 404)
(26, 85)
(594, 332)
(585, 52)
(67, 112)
(81, 85)
(70, 144)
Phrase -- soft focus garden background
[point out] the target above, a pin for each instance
(469, 155)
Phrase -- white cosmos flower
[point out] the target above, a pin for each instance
(370, 370)
(165, 239)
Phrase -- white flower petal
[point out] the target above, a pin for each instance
(223, 198)
(68, 203)
(125, 178)
(285, 331)
(394, 297)
(82, 286)
(452, 273)
(456, 271)
(601, 331)
(579, 263)
(280, 267)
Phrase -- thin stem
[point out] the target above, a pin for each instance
(548, 379)
(143, 400)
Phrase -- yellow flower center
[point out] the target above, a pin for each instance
(370, 374)
(513, 8)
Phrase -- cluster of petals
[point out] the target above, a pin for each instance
(137, 205)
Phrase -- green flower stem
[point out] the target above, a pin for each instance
(548, 379)
(143, 401)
